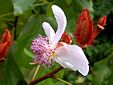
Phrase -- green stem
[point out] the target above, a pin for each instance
(37, 69)
(40, 4)
(6, 14)
(6, 19)
(57, 78)
(33, 8)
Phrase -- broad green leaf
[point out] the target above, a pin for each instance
(5, 8)
(20, 6)
(100, 74)
(11, 74)
(102, 70)
(27, 52)
(28, 32)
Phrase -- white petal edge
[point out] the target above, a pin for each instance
(61, 21)
(48, 31)
(72, 57)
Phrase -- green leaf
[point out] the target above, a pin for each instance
(110, 80)
(103, 7)
(100, 74)
(47, 82)
(28, 32)
(27, 52)
(5, 7)
(102, 70)
(20, 6)
(11, 72)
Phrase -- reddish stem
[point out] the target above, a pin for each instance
(46, 76)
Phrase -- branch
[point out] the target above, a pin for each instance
(45, 76)
(15, 26)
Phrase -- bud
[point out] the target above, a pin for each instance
(5, 44)
(100, 25)
(84, 32)
(3, 50)
(6, 37)
(66, 38)
(102, 22)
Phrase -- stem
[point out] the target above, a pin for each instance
(40, 4)
(56, 77)
(37, 69)
(15, 25)
(34, 10)
(6, 19)
(45, 76)
(6, 14)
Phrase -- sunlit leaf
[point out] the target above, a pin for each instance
(27, 52)
(22, 5)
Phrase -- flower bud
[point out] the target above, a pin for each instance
(6, 37)
(66, 38)
(5, 43)
(102, 22)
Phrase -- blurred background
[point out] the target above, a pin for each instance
(24, 18)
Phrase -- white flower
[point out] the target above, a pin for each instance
(68, 56)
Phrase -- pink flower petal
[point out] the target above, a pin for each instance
(72, 57)
(61, 21)
(48, 31)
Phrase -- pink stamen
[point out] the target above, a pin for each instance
(42, 50)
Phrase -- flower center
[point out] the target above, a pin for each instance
(42, 50)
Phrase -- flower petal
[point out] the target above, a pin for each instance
(4, 47)
(73, 57)
(61, 21)
(6, 37)
(49, 31)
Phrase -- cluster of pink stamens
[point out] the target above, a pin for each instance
(42, 50)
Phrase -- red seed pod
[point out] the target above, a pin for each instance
(100, 26)
(84, 32)
(102, 22)
(66, 38)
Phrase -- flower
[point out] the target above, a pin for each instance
(46, 49)
(5, 43)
